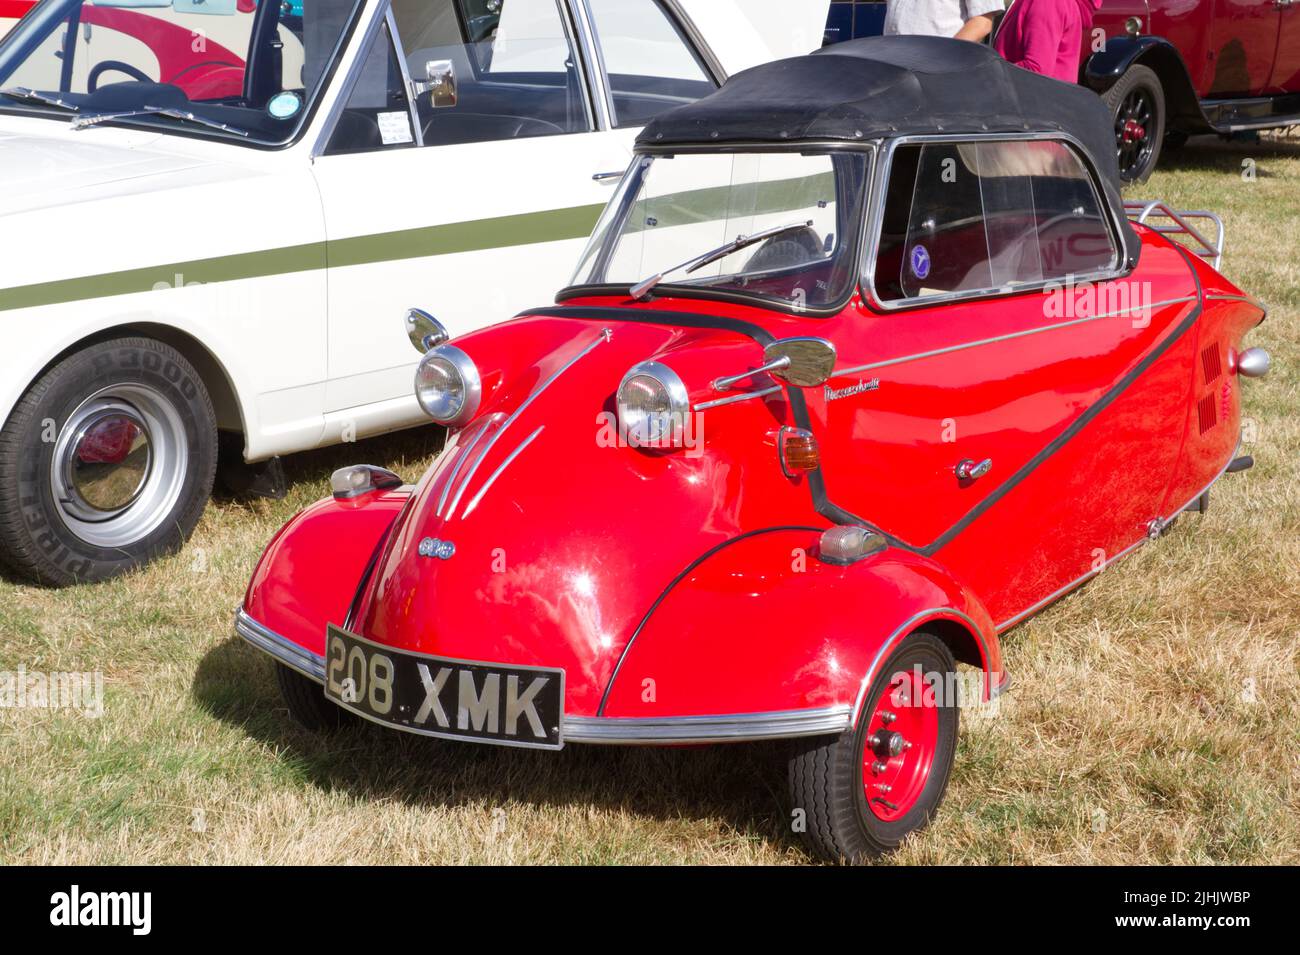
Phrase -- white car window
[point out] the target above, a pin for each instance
(650, 65)
(378, 113)
(516, 69)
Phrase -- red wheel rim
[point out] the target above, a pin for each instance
(901, 739)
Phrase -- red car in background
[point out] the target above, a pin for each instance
(1169, 69)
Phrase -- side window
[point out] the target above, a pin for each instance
(377, 114)
(986, 216)
(650, 65)
(516, 69)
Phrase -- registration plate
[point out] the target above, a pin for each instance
(439, 696)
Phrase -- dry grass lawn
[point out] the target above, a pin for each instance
(1155, 716)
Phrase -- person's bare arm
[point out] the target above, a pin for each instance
(976, 28)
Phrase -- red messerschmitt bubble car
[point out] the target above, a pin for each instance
(866, 362)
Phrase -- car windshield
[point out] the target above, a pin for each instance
(671, 210)
(246, 70)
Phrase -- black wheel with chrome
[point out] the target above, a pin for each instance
(105, 463)
(1137, 103)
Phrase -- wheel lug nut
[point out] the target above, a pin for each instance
(875, 741)
(883, 788)
(906, 746)
(887, 717)
(879, 767)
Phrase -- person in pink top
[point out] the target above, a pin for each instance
(1046, 36)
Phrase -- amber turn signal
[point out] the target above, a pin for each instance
(798, 451)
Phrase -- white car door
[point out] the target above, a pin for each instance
(476, 206)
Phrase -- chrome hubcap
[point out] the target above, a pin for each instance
(119, 465)
(107, 462)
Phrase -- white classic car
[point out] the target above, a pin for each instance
(215, 208)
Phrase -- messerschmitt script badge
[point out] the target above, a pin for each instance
(854, 389)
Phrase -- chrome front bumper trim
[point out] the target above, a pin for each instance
(286, 651)
(828, 720)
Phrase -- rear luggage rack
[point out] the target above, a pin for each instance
(1176, 222)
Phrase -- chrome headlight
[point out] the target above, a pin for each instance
(652, 406)
(447, 385)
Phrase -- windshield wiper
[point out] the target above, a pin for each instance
(31, 96)
(641, 289)
(171, 112)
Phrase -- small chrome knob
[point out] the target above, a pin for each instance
(969, 470)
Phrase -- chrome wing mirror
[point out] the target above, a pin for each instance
(802, 362)
(424, 331)
(439, 82)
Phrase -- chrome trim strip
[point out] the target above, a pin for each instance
(732, 399)
(399, 51)
(1007, 337)
(707, 729)
(903, 630)
(578, 47)
(460, 463)
(600, 104)
(349, 80)
(604, 336)
(597, 729)
(284, 650)
(1061, 592)
(497, 473)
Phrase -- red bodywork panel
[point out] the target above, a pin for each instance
(694, 568)
(1231, 48)
(309, 573)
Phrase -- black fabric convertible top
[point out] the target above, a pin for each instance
(895, 86)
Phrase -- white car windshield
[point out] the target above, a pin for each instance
(247, 70)
(792, 220)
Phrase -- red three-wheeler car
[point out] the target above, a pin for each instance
(864, 365)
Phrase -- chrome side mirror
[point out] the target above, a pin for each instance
(439, 82)
(425, 332)
(803, 362)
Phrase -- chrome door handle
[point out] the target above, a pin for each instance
(969, 470)
(606, 176)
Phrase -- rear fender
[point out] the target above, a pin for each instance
(760, 625)
(309, 574)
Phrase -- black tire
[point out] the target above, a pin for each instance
(307, 703)
(826, 773)
(75, 431)
(1137, 102)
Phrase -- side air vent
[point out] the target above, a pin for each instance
(1211, 364)
(1207, 413)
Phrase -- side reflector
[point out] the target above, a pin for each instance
(798, 451)
(847, 543)
(362, 479)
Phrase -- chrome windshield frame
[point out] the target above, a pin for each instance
(627, 190)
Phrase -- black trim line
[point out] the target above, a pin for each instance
(604, 697)
(1079, 423)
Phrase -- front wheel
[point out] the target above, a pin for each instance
(105, 463)
(1137, 105)
(863, 792)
